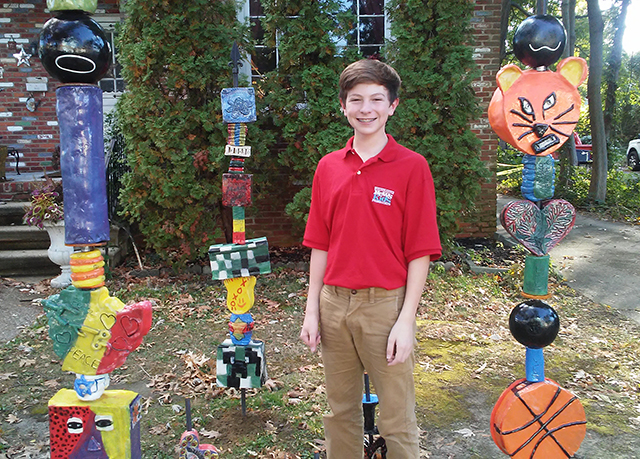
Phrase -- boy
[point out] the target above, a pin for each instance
(372, 230)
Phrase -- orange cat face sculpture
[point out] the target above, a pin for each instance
(536, 111)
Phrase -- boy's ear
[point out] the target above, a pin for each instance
(394, 105)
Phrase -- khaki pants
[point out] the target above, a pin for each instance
(354, 326)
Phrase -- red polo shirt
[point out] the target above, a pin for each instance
(372, 218)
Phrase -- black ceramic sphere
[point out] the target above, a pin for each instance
(539, 41)
(534, 324)
(74, 48)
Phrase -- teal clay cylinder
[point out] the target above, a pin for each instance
(88, 6)
(536, 275)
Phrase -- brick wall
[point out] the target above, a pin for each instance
(486, 26)
(269, 220)
(34, 134)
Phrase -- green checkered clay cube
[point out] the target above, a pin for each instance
(242, 367)
(240, 260)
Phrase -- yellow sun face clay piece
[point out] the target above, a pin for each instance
(240, 294)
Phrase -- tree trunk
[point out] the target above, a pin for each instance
(504, 27)
(598, 185)
(613, 70)
(569, 22)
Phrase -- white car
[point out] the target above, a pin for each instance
(633, 155)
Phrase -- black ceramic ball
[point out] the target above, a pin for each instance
(534, 324)
(539, 41)
(74, 48)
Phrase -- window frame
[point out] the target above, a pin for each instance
(244, 15)
(108, 24)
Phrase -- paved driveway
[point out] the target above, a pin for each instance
(600, 259)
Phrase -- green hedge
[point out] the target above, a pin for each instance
(175, 58)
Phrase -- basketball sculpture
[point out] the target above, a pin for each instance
(536, 111)
(535, 417)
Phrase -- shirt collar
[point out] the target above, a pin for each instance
(388, 153)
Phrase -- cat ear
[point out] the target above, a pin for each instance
(573, 69)
(507, 76)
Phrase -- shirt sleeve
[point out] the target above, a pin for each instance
(420, 227)
(316, 234)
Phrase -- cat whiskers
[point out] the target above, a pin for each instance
(523, 125)
(568, 110)
(560, 132)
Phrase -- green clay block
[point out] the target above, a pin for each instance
(238, 213)
(240, 260)
(242, 367)
(543, 186)
(536, 275)
(88, 6)
(66, 312)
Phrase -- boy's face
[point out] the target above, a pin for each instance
(367, 108)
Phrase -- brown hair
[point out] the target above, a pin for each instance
(370, 71)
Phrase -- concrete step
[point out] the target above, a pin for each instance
(26, 262)
(20, 237)
(11, 212)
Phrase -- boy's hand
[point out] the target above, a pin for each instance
(400, 342)
(309, 333)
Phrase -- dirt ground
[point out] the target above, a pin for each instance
(470, 315)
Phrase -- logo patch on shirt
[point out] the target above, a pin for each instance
(382, 196)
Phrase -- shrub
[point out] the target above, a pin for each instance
(302, 93)
(175, 55)
(175, 60)
(623, 194)
(432, 54)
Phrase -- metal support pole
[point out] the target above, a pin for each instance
(541, 7)
(187, 406)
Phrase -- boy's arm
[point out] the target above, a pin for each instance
(310, 327)
(401, 338)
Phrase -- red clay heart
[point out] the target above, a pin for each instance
(539, 230)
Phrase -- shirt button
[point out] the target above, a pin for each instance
(359, 172)
(353, 292)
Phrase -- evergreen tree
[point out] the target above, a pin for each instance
(431, 52)
(175, 58)
(301, 95)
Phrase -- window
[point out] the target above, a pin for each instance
(369, 33)
(112, 84)
(371, 28)
(264, 59)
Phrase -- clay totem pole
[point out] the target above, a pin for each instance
(240, 359)
(92, 332)
(536, 111)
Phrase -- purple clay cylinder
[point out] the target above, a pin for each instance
(82, 165)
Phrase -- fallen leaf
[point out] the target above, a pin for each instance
(271, 304)
(27, 362)
(209, 433)
(13, 419)
(466, 433)
(159, 430)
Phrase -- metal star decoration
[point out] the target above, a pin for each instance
(23, 57)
